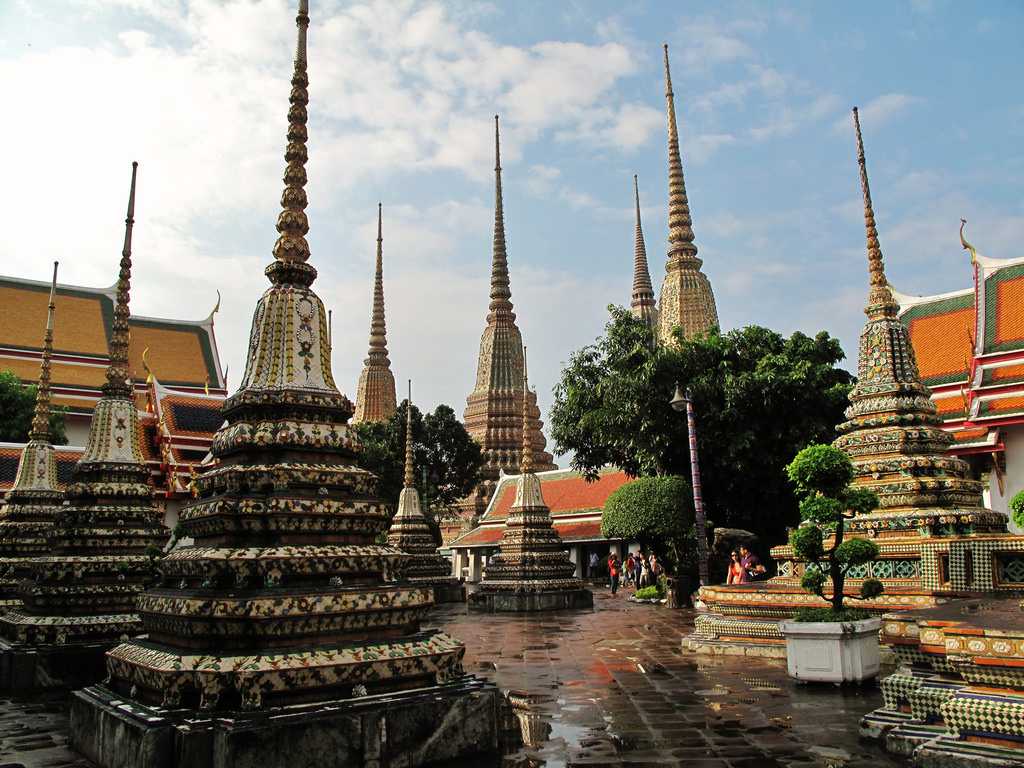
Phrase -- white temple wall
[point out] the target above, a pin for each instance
(1013, 480)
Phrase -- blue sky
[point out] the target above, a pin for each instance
(402, 98)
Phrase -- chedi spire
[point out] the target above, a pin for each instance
(642, 302)
(687, 300)
(375, 394)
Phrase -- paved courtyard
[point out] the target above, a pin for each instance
(604, 688)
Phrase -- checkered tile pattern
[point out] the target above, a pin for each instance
(985, 714)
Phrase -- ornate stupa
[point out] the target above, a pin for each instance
(936, 539)
(493, 408)
(642, 301)
(32, 504)
(410, 533)
(284, 630)
(81, 597)
(375, 395)
(686, 296)
(532, 571)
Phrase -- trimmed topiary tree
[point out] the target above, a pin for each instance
(656, 511)
(821, 476)
(1017, 508)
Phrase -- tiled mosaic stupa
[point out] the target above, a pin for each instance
(641, 302)
(493, 415)
(80, 599)
(936, 538)
(375, 394)
(532, 570)
(686, 297)
(410, 534)
(32, 504)
(283, 635)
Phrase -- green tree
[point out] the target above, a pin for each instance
(821, 476)
(1017, 508)
(447, 459)
(656, 511)
(758, 397)
(17, 404)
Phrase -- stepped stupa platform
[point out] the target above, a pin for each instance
(33, 503)
(80, 599)
(532, 570)
(284, 635)
(410, 534)
(937, 541)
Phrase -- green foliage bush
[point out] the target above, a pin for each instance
(648, 593)
(1017, 508)
(821, 475)
(17, 406)
(828, 614)
(656, 511)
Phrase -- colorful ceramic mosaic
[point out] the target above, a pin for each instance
(31, 506)
(493, 407)
(936, 539)
(642, 300)
(958, 696)
(107, 533)
(532, 558)
(375, 395)
(284, 597)
(686, 297)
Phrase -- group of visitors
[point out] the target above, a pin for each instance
(639, 570)
(744, 567)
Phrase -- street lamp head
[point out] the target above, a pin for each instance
(678, 401)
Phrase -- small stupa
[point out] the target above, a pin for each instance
(284, 635)
(375, 394)
(32, 504)
(532, 571)
(410, 533)
(80, 598)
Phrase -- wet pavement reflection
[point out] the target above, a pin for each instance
(612, 687)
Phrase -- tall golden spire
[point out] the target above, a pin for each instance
(375, 394)
(642, 303)
(880, 298)
(501, 292)
(41, 418)
(291, 248)
(117, 384)
(680, 225)
(526, 464)
(409, 476)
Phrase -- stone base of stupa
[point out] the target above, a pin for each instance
(449, 591)
(488, 601)
(459, 719)
(25, 668)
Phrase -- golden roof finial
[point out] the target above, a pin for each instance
(409, 476)
(501, 293)
(117, 383)
(526, 465)
(966, 245)
(292, 225)
(41, 417)
(145, 366)
(880, 298)
(680, 224)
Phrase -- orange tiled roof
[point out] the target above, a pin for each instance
(942, 344)
(78, 324)
(1009, 325)
(1005, 374)
(565, 492)
(973, 435)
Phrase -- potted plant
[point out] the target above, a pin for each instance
(832, 643)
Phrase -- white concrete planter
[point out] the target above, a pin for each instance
(832, 651)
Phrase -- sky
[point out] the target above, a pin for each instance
(402, 98)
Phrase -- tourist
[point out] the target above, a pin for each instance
(737, 573)
(594, 562)
(645, 572)
(629, 569)
(751, 564)
(656, 567)
(614, 566)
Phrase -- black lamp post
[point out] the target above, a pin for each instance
(679, 402)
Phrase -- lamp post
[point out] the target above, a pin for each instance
(679, 402)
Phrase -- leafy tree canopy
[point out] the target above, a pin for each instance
(1017, 508)
(758, 398)
(17, 404)
(447, 459)
(656, 511)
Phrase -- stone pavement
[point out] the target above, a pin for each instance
(608, 687)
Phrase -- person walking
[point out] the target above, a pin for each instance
(614, 566)
(751, 563)
(594, 562)
(629, 570)
(737, 574)
(645, 573)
